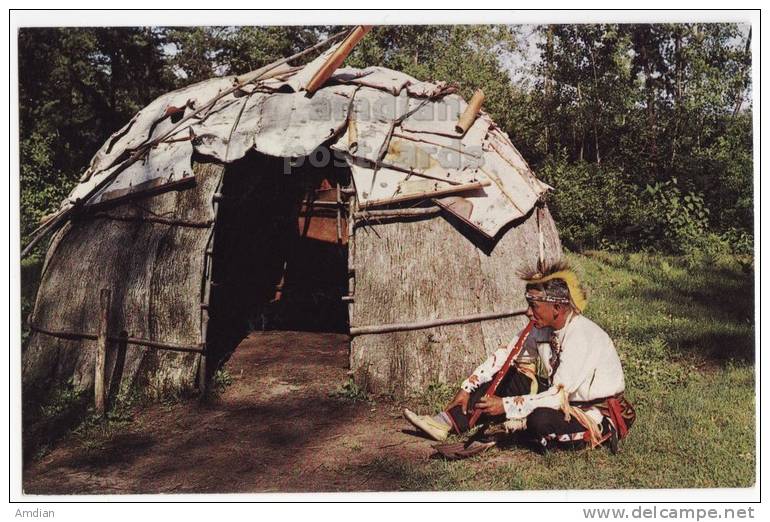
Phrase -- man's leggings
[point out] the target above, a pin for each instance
(543, 424)
(514, 383)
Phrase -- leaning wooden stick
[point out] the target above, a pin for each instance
(471, 113)
(337, 57)
(500, 374)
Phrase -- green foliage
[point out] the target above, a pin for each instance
(200, 53)
(95, 432)
(30, 280)
(350, 391)
(67, 411)
(76, 87)
(738, 241)
(43, 186)
(593, 205)
(728, 250)
(583, 90)
(436, 396)
(654, 103)
(673, 219)
(61, 400)
(221, 381)
(462, 55)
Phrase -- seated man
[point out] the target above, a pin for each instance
(565, 384)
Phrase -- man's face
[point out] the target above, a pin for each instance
(541, 313)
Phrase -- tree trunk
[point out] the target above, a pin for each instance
(549, 80)
(595, 113)
(677, 95)
(582, 128)
(648, 82)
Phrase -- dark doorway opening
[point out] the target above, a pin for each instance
(280, 251)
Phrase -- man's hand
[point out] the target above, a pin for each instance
(460, 399)
(491, 405)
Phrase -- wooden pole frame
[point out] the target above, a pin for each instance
(396, 213)
(146, 343)
(475, 185)
(102, 344)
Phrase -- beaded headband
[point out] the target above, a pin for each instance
(578, 298)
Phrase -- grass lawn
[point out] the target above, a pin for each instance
(686, 338)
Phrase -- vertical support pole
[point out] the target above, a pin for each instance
(351, 247)
(202, 377)
(339, 215)
(100, 398)
(208, 262)
(540, 240)
(117, 370)
(351, 257)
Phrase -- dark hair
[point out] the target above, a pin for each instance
(552, 288)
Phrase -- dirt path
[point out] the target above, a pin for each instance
(275, 428)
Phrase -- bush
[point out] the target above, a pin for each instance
(672, 220)
(677, 222)
(727, 250)
(350, 391)
(599, 207)
(220, 382)
(591, 204)
(740, 242)
(43, 185)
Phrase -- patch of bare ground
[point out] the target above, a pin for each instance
(278, 427)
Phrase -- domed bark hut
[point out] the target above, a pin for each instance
(366, 201)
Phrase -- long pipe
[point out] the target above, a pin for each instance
(420, 325)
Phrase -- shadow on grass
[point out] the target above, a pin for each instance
(46, 420)
(705, 311)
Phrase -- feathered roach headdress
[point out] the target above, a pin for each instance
(557, 271)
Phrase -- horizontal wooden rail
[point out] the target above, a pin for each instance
(396, 212)
(158, 345)
(154, 219)
(323, 203)
(200, 348)
(424, 195)
(421, 325)
(63, 334)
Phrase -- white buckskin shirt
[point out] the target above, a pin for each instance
(589, 367)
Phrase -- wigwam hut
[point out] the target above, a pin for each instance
(315, 197)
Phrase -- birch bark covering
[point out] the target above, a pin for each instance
(427, 269)
(154, 270)
(151, 252)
